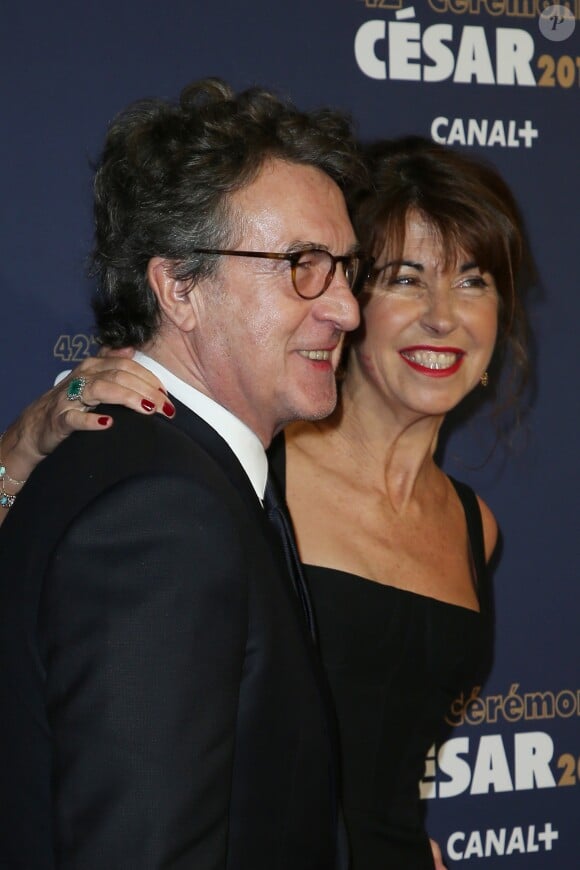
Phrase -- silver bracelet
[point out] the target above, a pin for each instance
(7, 499)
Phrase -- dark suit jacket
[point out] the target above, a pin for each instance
(161, 703)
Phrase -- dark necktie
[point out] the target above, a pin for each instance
(277, 513)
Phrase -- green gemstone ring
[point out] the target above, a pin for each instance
(75, 389)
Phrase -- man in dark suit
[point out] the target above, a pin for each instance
(161, 700)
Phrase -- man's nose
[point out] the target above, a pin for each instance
(338, 304)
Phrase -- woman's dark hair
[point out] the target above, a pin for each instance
(163, 184)
(470, 208)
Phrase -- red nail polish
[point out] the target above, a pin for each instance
(103, 421)
(147, 405)
(168, 409)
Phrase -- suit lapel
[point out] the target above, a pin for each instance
(212, 442)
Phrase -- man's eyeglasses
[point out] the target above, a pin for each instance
(312, 269)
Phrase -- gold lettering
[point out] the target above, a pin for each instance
(456, 715)
(567, 762)
(438, 5)
(495, 7)
(565, 704)
(475, 708)
(539, 705)
(459, 6)
(493, 703)
(522, 8)
(511, 8)
(547, 64)
(513, 706)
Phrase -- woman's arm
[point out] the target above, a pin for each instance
(113, 379)
(437, 856)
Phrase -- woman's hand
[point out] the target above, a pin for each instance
(113, 378)
(437, 856)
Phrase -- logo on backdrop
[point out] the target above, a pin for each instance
(503, 842)
(490, 763)
(75, 348)
(487, 764)
(486, 132)
(400, 47)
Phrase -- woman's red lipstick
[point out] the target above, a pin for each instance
(435, 362)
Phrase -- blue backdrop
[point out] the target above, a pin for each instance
(497, 77)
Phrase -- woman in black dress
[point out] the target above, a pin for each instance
(395, 551)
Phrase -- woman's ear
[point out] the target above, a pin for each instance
(172, 293)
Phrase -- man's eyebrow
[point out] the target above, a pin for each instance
(302, 245)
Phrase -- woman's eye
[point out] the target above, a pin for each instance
(474, 285)
(407, 284)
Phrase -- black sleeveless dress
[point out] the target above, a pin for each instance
(395, 661)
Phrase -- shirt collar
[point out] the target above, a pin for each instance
(245, 444)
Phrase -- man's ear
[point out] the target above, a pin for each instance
(172, 293)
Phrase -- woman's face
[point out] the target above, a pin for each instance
(428, 331)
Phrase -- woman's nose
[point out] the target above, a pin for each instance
(439, 316)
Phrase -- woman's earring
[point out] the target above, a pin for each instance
(484, 379)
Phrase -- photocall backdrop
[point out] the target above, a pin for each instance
(499, 78)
